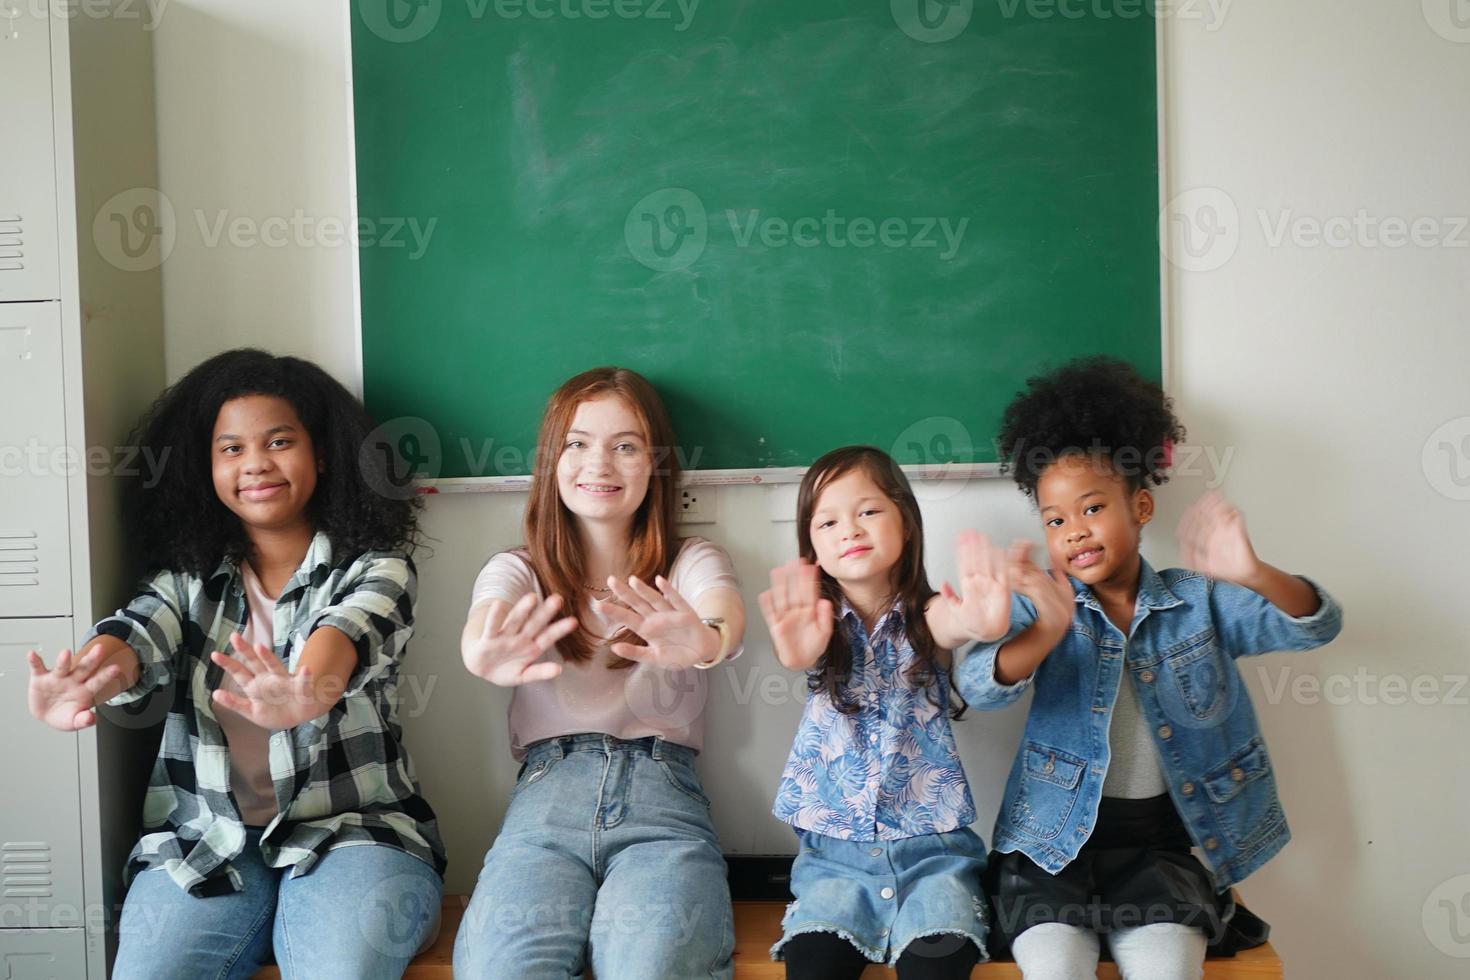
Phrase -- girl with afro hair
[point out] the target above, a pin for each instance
(1141, 749)
(283, 814)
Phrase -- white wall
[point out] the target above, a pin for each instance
(1324, 370)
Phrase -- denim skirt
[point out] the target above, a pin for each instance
(882, 895)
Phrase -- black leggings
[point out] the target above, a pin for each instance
(827, 956)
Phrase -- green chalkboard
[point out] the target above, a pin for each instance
(808, 222)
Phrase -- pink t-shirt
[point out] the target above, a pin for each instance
(250, 750)
(590, 697)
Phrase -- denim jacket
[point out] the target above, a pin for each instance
(1187, 630)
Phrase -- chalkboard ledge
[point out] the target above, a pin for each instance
(712, 478)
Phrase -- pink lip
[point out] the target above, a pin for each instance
(1086, 559)
(262, 491)
(861, 549)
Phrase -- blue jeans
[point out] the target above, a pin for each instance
(361, 913)
(607, 858)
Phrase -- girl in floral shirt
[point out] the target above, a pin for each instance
(888, 869)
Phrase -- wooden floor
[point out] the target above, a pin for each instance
(758, 926)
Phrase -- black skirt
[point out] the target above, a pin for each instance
(1136, 869)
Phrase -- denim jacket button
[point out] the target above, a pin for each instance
(1187, 789)
(1237, 774)
(886, 893)
(1211, 843)
(876, 852)
(1147, 677)
(1165, 731)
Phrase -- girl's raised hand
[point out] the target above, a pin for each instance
(982, 607)
(64, 696)
(270, 695)
(1051, 592)
(669, 625)
(513, 640)
(798, 617)
(1213, 541)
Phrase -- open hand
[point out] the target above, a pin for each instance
(270, 696)
(514, 639)
(672, 633)
(64, 696)
(797, 615)
(982, 607)
(1213, 541)
(1051, 592)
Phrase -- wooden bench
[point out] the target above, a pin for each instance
(758, 926)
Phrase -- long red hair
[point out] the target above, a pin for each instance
(551, 532)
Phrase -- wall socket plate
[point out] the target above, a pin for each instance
(698, 505)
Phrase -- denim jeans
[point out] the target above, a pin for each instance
(607, 858)
(361, 913)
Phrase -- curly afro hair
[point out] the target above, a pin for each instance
(179, 523)
(1095, 406)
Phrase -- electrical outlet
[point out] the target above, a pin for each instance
(697, 505)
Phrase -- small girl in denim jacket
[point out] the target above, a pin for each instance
(1141, 742)
(888, 869)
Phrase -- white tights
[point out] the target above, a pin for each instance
(1162, 951)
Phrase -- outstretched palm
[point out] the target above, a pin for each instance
(798, 617)
(513, 640)
(673, 635)
(982, 607)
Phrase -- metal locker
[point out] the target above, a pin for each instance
(43, 954)
(40, 828)
(34, 464)
(29, 263)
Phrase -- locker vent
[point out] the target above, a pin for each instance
(25, 869)
(12, 244)
(20, 558)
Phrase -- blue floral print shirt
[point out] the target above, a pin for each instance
(888, 771)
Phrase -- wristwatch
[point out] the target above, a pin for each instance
(717, 624)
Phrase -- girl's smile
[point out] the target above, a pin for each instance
(1093, 522)
(263, 464)
(605, 465)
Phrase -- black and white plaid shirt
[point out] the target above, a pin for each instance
(343, 778)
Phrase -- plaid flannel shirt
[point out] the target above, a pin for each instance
(341, 779)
